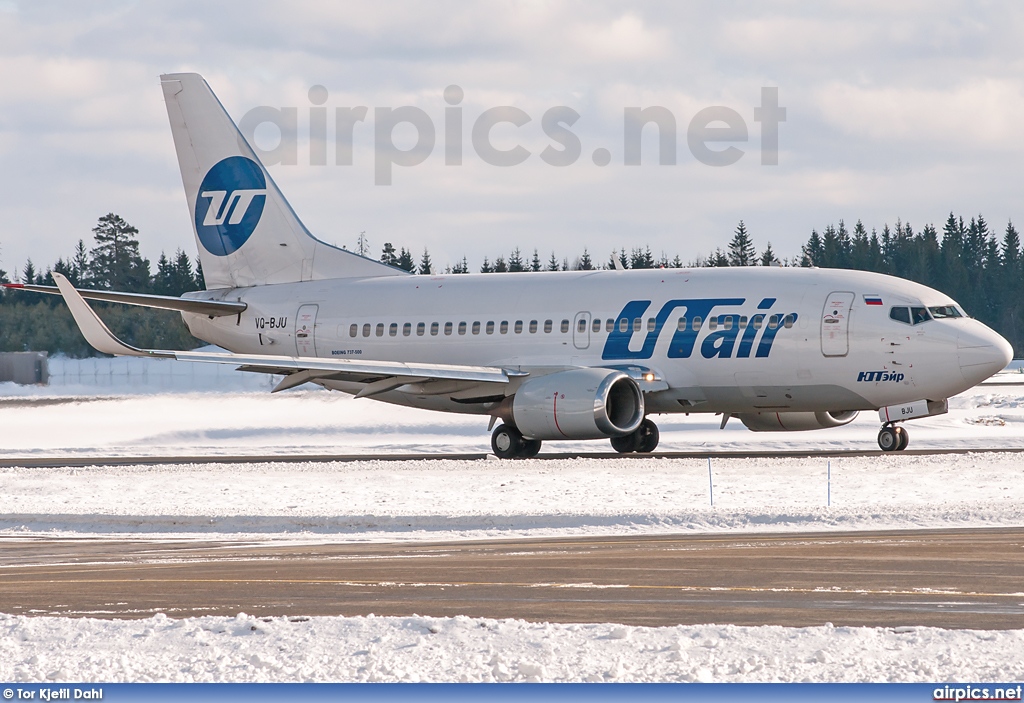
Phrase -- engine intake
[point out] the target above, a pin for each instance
(578, 404)
(795, 421)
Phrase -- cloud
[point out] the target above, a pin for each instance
(894, 110)
(984, 114)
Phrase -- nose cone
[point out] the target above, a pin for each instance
(982, 353)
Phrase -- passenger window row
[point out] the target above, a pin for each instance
(624, 325)
(449, 328)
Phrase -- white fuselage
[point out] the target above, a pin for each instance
(716, 340)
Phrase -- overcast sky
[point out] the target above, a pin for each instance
(894, 110)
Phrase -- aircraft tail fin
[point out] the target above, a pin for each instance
(247, 233)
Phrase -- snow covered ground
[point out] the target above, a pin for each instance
(452, 499)
(449, 499)
(86, 420)
(246, 648)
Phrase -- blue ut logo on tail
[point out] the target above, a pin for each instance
(229, 204)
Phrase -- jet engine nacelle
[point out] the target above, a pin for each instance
(578, 404)
(794, 422)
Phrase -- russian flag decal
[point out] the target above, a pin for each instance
(872, 300)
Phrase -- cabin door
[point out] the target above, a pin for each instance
(835, 324)
(305, 330)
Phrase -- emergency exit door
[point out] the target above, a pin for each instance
(581, 330)
(835, 324)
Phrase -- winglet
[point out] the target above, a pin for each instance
(95, 332)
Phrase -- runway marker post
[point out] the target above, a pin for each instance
(711, 485)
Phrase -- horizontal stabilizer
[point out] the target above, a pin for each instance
(213, 308)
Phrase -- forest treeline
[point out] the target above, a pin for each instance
(967, 260)
(41, 322)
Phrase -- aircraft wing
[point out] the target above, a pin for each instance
(379, 376)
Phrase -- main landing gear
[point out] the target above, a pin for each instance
(893, 438)
(644, 439)
(508, 443)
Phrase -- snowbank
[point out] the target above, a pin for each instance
(460, 499)
(244, 648)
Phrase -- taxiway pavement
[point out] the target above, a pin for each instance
(957, 578)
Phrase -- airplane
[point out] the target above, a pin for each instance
(569, 355)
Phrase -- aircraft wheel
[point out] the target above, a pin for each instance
(531, 447)
(904, 438)
(649, 437)
(888, 440)
(627, 444)
(506, 442)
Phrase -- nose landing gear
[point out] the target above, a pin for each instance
(893, 438)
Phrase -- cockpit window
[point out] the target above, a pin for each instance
(941, 311)
(919, 315)
(900, 315)
(909, 316)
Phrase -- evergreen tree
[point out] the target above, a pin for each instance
(200, 278)
(719, 258)
(616, 256)
(115, 262)
(585, 263)
(486, 268)
(1011, 255)
(990, 281)
(926, 248)
(1011, 286)
(426, 266)
(768, 256)
(405, 261)
(515, 261)
(553, 263)
(184, 276)
(500, 266)
(813, 251)
(29, 275)
(741, 248)
(860, 248)
(161, 279)
(461, 267)
(80, 266)
(835, 247)
(953, 272)
(174, 277)
(641, 258)
(388, 255)
(535, 264)
(63, 267)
